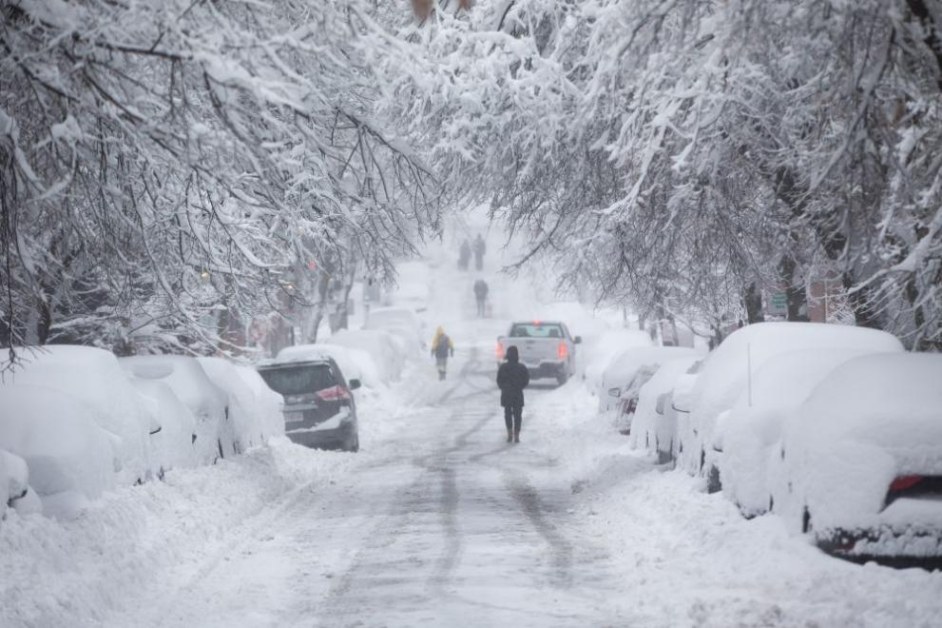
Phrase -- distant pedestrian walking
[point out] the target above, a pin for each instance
(479, 249)
(464, 255)
(512, 378)
(442, 349)
(480, 295)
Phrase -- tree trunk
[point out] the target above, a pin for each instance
(796, 298)
(865, 315)
(752, 300)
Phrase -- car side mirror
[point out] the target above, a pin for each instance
(577, 340)
(614, 392)
(354, 384)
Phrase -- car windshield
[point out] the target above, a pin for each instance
(536, 330)
(298, 380)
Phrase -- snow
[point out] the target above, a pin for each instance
(353, 363)
(652, 431)
(70, 458)
(437, 521)
(402, 323)
(600, 349)
(93, 379)
(382, 346)
(627, 365)
(204, 399)
(749, 432)
(874, 418)
(726, 372)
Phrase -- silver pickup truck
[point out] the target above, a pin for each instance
(546, 348)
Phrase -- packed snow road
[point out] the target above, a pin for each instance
(444, 524)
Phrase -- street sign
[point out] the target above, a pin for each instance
(778, 304)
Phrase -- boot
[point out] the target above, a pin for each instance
(510, 436)
(517, 437)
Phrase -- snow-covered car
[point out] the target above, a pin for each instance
(319, 409)
(382, 347)
(546, 348)
(628, 371)
(173, 443)
(93, 379)
(600, 349)
(70, 458)
(861, 459)
(205, 400)
(748, 433)
(251, 417)
(726, 372)
(402, 323)
(654, 426)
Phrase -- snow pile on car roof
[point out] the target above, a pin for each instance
(354, 363)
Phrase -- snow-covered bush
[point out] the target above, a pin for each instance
(93, 380)
(70, 458)
(862, 457)
(726, 372)
(749, 432)
(206, 401)
(380, 345)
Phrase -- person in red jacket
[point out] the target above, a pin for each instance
(512, 378)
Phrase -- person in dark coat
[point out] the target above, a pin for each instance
(512, 378)
(479, 249)
(480, 295)
(464, 255)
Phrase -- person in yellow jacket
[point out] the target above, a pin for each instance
(442, 348)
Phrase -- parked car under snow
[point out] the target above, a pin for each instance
(726, 372)
(861, 459)
(654, 427)
(749, 433)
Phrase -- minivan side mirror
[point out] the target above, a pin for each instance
(577, 340)
(354, 384)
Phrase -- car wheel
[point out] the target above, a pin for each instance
(805, 521)
(713, 480)
(355, 446)
(562, 378)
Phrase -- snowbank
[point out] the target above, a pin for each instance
(402, 323)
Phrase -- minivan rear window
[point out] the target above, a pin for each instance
(298, 380)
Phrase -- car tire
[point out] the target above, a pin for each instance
(714, 485)
(562, 378)
(355, 446)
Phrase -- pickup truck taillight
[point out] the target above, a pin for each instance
(500, 351)
(562, 351)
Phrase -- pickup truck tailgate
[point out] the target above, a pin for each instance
(536, 350)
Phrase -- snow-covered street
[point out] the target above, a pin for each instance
(437, 521)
